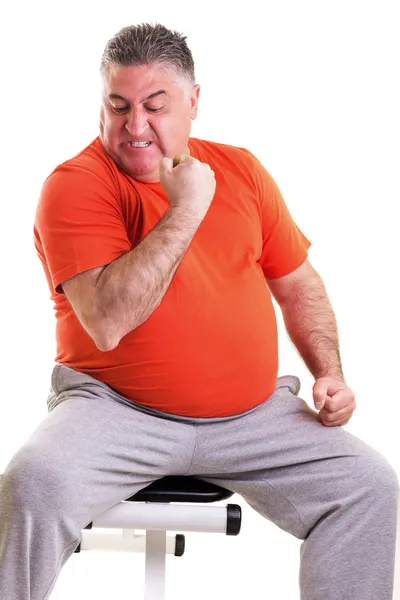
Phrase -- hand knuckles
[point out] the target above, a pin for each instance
(329, 417)
(335, 406)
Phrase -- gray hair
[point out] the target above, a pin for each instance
(147, 44)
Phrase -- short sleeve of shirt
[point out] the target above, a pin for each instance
(79, 224)
(285, 247)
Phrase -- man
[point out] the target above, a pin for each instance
(161, 252)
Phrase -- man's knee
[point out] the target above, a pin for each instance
(375, 476)
(33, 478)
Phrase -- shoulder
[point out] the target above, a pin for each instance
(92, 160)
(232, 158)
(226, 156)
(89, 179)
(229, 152)
(90, 168)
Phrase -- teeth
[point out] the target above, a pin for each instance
(140, 144)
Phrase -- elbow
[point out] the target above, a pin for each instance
(104, 338)
(105, 345)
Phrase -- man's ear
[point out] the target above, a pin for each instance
(195, 101)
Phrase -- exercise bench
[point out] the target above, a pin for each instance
(173, 503)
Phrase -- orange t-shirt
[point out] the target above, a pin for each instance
(210, 349)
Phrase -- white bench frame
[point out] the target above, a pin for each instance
(156, 518)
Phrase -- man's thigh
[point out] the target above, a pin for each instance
(91, 452)
(286, 464)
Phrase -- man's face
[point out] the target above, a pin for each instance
(146, 104)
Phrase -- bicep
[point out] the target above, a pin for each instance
(79, 226)
(284, 246)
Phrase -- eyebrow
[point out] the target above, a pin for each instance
(118, 97)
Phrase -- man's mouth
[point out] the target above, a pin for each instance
(139, 144)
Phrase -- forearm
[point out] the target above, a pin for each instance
(132, 286)
(312, 327)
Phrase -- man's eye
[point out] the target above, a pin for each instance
(154, 110)
(120, 109)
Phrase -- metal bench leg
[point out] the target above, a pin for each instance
(156, 545)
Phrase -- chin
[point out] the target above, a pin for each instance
(142, 172)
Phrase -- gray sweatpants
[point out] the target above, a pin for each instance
(95, 449)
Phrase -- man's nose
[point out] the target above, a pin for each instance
(137, 123)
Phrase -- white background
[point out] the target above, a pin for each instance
(312, 88)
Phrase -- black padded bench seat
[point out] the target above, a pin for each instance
(180, 488)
